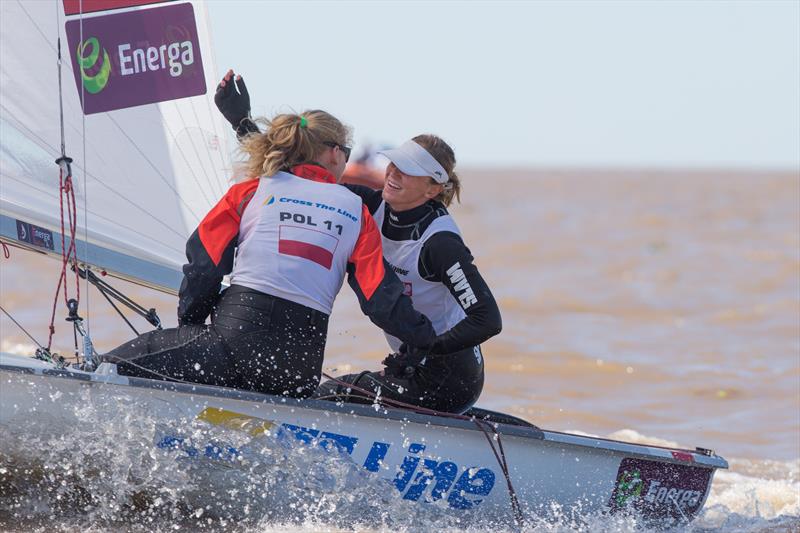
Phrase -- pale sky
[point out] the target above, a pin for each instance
(677, 84)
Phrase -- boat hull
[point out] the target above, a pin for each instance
(431, 459)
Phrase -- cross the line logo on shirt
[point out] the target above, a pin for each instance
(306, 243)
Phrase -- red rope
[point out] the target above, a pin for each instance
(66, 189)
(6, 251)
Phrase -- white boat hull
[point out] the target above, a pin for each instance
(423, 458)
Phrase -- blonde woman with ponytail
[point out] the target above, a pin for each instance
(423, 246)
(296, 234)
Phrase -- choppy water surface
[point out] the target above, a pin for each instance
(644, 306)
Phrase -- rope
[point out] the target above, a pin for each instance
(68, 254)
(66, 189)
(109, 357)
(8, 245)
(482, 425)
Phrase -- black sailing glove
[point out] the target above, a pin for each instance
(233, 101)
(404, 364)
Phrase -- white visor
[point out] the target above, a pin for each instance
(414, 160)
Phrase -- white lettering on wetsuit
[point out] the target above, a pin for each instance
(460, 283)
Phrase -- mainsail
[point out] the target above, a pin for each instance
(150, 152)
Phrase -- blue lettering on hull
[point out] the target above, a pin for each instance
(415, 476)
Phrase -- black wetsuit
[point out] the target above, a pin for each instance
(255, 342)
(451, 378)
(258, 341)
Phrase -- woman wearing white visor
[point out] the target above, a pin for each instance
(423, 245)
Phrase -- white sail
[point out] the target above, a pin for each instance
(150, 152)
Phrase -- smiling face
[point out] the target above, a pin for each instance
(403, 192)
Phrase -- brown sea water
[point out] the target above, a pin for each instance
(642, 305)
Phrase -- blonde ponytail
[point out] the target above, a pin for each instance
(290, 140)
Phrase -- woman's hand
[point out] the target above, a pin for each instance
(232, 99)
(404, 363)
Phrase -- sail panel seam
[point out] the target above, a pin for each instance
(44, 145)
(154, 167)
(194, 147)
(101, 217)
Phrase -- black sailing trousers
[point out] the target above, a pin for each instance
(448, 383)
(255, 342)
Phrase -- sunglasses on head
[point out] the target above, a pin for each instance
(345, 149)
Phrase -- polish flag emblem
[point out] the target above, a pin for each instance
(310, 244)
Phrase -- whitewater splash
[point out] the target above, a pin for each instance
(119, 468)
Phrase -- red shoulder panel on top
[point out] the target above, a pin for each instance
(367, 255)
(221, 224)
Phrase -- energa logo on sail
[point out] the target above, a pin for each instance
(136, 58)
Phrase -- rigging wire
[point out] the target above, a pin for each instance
(150, 315)
(107, 297)
(85, 189)
(25, 331)
(66, 189)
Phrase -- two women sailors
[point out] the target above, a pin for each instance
(424, 247)
(296, 234)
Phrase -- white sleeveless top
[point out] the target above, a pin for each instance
(433, 299)
(295, 238)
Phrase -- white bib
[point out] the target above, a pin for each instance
(295, 238)
(433, 299)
